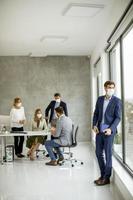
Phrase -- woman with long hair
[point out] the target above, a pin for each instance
(33, 142)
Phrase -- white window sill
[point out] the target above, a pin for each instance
(123, 180)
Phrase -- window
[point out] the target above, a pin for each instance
(127, 47)
(121, 72)
(116, 77)
(97, 84)
(98, 77)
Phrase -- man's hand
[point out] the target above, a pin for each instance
(107, 131)
(53, 130)
(95, 129)
(21, 121)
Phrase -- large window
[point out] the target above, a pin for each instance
(98, 77)
(121, 68)
(116, 77)
(127, 46)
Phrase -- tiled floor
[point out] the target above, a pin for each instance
(33, 180)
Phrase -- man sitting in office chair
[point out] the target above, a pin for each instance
(62, 134)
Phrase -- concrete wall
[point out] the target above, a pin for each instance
(35, 80)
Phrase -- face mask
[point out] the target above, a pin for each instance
(58, 100)
(39, 115)
(19, 105)
(110, 92)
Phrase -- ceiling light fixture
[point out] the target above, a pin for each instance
(53, 38)
(82, 10)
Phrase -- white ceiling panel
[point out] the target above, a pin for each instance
(41, 27)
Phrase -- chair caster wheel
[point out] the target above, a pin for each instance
(82, 163)
(72, 165)
(75, 160)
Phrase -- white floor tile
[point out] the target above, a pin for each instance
(33, 180)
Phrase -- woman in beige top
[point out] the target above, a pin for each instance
(33, 142)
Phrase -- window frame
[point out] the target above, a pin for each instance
(120, 41)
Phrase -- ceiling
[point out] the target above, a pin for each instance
(52, 27)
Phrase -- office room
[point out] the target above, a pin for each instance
(66, 109)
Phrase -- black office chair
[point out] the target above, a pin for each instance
(70, 158)
(38, 151)
(43, 151)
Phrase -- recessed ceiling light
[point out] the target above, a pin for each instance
(53, 38)
(82, 10)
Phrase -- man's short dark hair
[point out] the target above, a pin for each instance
(109, 83)
(59, 110)
(57, 95)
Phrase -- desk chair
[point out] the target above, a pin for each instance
(38, 151)
(70, 158)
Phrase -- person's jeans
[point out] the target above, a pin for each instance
(49, 145)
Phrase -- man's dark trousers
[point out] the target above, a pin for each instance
(104, 145)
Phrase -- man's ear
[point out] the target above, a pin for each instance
(105, 88)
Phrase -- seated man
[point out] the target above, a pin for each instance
(62, 134)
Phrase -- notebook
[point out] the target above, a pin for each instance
(103, 127)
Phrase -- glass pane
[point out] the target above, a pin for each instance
(98, 78)
(116, 77)
(99, 84)
(128, 91)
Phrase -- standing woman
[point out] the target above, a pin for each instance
(17, 118)
(33, 142)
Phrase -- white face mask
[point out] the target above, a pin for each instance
(39, 115)
(110, 92)
(58, 100)
(19, 105)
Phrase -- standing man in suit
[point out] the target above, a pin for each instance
(51, 107)
(62, 136)
(107, 116)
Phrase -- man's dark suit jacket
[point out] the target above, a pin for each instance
(112, 114)
(51, 108)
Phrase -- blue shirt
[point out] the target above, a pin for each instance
(57, 104)
(105, 104)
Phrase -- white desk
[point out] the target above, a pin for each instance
(28, 133)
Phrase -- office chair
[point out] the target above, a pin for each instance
(40, 150)
(63, 148)
(70, 158)
(43, 151)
